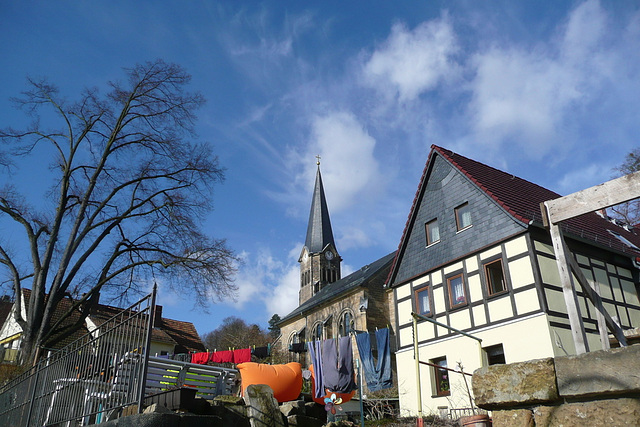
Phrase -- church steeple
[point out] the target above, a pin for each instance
(319, 232)
(319, 260)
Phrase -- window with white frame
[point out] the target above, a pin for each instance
(433, 232)
(463, 216)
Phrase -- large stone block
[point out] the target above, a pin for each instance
(303, 421)
(295, 407)
(523, 383)
(263, 408)
(613, 412)
(513, 418)
(609, 372)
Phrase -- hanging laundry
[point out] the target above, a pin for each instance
(200, 358)
(261, 352)
(377, 375)
(242, 355)
(225, 356)
(337, 369)
(315, 355)
(298, 347)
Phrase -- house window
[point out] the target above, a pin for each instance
(495, 277)
(423, 301)
(440, 377)
(433, 232)
(463, 216)
(494, 355)
(457, 295)
(345, 326)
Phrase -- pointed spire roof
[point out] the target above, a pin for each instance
(319, 232)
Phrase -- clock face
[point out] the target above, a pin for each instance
(329, 255)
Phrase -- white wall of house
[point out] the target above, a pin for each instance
(10, 328)
(518, 346)
(157, 348)
(514, 319)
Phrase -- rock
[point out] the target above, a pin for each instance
(523, 383)
(155, 408)
(225, 399)
(613, 412)
(513, 418)
(295, 407)
(263, 410)
(303, 421)
(315, 410)
(608, 372)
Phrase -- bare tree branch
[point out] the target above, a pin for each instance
(128, 194)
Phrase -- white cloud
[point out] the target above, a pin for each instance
(585, 177)
(284, 297)
(524, 96)
(354, 237)
(348, 165)
(411, 62)
(271, 283)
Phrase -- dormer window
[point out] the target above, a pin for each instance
(433, 232)
(463, 216)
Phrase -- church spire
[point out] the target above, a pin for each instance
(319, 260)
(319, 232)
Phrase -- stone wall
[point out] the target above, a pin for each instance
(597, 388)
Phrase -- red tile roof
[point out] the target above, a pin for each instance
(181, 334)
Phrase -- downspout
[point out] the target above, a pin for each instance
(419, 421)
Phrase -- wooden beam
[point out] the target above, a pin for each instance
(569, 291)
(601, 196)
(597, 302)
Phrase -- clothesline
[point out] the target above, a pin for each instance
(231, 356)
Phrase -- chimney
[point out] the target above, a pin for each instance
(157, 316)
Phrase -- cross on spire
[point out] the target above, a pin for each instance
(318, 161)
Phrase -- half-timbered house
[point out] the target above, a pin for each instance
(474, 256)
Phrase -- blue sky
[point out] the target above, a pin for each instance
(549, 91)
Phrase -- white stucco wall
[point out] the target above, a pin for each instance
(518, 346)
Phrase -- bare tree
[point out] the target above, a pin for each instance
(628, 212)
(129, 192)
(235, 333)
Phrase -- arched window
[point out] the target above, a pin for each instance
(345, 324)
(317, 332)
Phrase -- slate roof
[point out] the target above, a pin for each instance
(361, 277)
(319, 232)
(521, 199)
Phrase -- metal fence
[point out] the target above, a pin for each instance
(88, 381)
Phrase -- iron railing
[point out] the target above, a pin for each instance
(89, 380)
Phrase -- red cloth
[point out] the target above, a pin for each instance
(222, 356)
(242, 355)
(200, 358)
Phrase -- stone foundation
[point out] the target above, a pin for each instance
(597, 388)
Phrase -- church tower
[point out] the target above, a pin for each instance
(319, 259)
